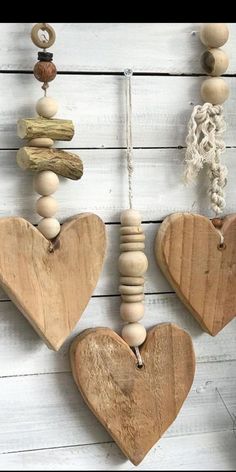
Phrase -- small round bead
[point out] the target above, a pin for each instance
(214, 90)
(41, 142)
(47, 107)
(215, 62)
(132, 238)
(130, 218)
(133, 298)
(131, 230)
(46, 182)
(214, 35)
(46, 206)
(217, 222)
(134, 334)
(131, 289)
(49, 227)
(132, 263)
(132, 280)
(132, 247)
(45, 71)
(131, 312)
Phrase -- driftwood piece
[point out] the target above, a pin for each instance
(136, 406)
(60, 130)
(51, 282)
(61, 162)
(200, 269)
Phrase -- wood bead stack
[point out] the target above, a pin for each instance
(215, 62)
(41, 132)
(132, 266)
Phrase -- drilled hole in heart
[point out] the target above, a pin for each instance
(140, 366)
(221, 246)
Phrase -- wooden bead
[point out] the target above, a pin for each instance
(45, 71)
(214, 35)
(214, 90)
(132, 247)
(130, 218)
(49, 227)
(217, 222)
(43, 43)
(214, 62)
(46, 182)
(132, 238)
(46, 206)
(132, 263)
(131, 312)
(132, 280)
(134, 334)
(47, 107)
(133, 298)
(131, 289)
(127, 230)
(41, 142)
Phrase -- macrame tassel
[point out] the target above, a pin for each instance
(204, 146)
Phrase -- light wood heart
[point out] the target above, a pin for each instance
(202, 273)
(52, 282)
(136, 406)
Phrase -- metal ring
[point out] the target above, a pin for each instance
(43, 43)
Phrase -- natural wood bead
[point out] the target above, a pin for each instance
(41, 142)
(133, 263)
(214, 90)
(134, 334)
(46, 206)
(214, 62)
(61, 130)
(132, 238)
(49, 227)
(132, 280)
(132, 247)
(217, 222)
(130, 218)
(43, 43)
(45, 71)
(133, 298)
(127, 230)
(47, 107)
(46, 182)
(131, 289)
(131, 312)
(214, 35)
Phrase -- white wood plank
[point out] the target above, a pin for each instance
(23, 352)
(157, 186)
(211, 451)
(110, 47)
(161, 108)
(44, 411)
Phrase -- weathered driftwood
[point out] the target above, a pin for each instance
(61, 162)
(60, 130)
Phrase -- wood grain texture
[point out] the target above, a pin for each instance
(31, 128)
(187, 249)
(136, 406)
(64, 163)
(52, 282)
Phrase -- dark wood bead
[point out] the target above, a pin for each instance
(217, 222)
(45, 71)
(45, 56)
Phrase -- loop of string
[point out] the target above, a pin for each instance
(205, 145)
(129, 158)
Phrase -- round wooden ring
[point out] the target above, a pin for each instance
(40, 42)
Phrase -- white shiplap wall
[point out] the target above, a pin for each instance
(44, 422)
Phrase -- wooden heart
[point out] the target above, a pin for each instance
(202, 273)
(51, 282)
(136, 406)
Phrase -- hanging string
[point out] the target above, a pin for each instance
(129, 142)
(205, 145)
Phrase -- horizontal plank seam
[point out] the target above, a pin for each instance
(116, 73)
(103, 148)
(112, 442)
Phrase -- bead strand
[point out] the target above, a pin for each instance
(46, 183)
(132, 266)
(215, 62)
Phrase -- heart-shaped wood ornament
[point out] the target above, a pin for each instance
(52, 282)
(135, 405)
(201, 270)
